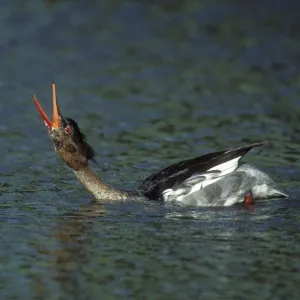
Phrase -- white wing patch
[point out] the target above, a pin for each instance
(200, 180)
(228, 166)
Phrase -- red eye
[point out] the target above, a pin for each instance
(67, 129)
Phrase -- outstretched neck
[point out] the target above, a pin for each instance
(94, 184)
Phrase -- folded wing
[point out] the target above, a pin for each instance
(190, 175)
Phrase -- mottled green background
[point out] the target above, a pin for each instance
(150, 83)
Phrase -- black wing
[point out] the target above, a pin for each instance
(153, 186)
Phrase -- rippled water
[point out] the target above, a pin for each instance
(150, 83)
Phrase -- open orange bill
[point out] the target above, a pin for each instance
(55, 123)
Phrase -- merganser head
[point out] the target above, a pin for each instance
(67, 138)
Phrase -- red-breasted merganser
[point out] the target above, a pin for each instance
(214, 179)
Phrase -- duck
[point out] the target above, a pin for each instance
(214, 179)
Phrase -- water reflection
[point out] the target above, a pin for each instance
(67, 259)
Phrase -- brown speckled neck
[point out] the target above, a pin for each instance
(97, 187)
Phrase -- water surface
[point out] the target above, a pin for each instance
(150, 83)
